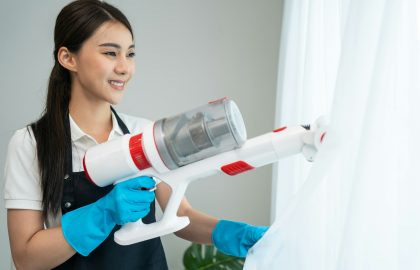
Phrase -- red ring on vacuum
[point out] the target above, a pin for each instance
(137, 152)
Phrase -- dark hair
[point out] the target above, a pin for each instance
(75, 23)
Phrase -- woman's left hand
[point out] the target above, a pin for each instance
(236, 238)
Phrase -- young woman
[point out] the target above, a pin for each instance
(56, 217)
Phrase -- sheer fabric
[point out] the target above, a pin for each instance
(359, 207)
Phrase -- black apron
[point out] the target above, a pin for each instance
(79, 191)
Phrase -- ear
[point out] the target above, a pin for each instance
(67, 59)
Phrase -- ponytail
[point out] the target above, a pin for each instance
(52, 135)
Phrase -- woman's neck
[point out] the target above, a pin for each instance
(93, 119)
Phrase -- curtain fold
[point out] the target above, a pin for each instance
(308, 59)
(357, 206)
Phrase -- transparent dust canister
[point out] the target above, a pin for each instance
(200, 133)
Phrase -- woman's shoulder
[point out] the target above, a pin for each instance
(134, 124)
(22, 147)
(22, 139)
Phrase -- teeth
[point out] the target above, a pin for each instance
(117, 83)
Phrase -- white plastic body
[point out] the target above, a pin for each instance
(257, 152)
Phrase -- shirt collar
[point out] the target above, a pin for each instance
(115, 126)
(77, 133)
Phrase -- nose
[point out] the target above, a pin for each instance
(122, 66)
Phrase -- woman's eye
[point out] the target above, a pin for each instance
(110, 53)
(132, 54)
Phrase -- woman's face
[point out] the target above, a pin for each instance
(105, 64)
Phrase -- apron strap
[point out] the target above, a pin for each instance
(67, 201)
(120, 122)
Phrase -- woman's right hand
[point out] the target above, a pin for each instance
(129, 201)
(87, 227)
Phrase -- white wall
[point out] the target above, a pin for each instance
(188, 52)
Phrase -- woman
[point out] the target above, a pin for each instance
(58, 219)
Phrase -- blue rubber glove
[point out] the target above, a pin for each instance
(87, 227)
(236, 238)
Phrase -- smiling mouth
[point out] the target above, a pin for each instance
(116, 83)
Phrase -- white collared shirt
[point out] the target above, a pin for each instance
(22, 189)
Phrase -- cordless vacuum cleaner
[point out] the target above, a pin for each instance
(205, 141)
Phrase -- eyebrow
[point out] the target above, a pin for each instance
(114, 45)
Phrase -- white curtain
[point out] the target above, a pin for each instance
(309, 54)
(358, 206)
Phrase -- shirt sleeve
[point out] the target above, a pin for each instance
(22, 189)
